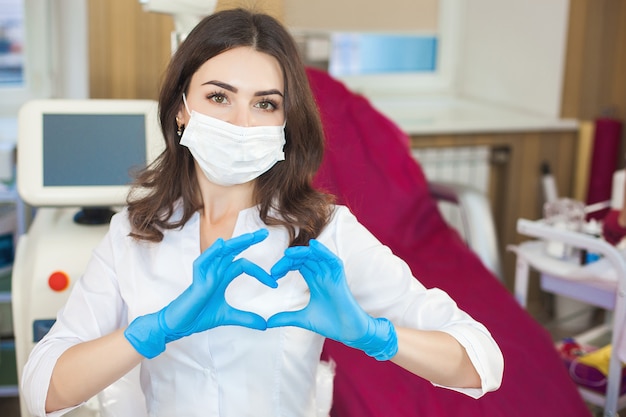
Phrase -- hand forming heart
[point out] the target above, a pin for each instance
(331, 312)
(202, 305)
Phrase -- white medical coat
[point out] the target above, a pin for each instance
(233, 371)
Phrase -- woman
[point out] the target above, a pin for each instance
(227, 270)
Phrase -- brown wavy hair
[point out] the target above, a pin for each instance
(286, 189)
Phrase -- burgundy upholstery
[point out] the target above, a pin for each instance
(368, 166)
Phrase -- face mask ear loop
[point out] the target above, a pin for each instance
(185, 102)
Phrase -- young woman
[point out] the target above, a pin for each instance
(227, 270)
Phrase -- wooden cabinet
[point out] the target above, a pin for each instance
(515, 180)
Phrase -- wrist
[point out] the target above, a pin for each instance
(146, 336)
(381, 341)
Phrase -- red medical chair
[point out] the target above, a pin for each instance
(369, 167)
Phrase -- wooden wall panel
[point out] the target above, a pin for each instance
(272, 7)
(350, 15)
(128, 49)
(595, 67)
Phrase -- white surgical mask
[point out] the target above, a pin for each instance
(230, 154)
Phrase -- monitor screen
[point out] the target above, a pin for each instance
(84, 152)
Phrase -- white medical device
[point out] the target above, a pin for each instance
(75, 159)
(79, 152)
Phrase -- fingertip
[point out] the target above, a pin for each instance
(273, 321)
(322, 250)
(269, 280)
(259, 234)
(278, 272)
(317, 247)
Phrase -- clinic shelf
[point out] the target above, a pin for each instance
(566, 277)
(5, 284)
(8, 368)
(9, 195)
(605, 288)
(8, 371)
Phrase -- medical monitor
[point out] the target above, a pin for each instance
(82, 152)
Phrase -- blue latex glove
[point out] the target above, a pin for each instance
(332, 310)
(202, 305)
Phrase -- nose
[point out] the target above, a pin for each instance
(242, 117)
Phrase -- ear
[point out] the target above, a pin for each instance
(180, 123)
(180, 117)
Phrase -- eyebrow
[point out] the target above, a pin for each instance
(234, 89)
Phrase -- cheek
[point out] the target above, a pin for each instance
(218, 112)
(271, 119)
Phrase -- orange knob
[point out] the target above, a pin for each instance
(58, 281)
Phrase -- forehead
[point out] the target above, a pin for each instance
(242, 67)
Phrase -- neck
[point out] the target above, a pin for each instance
(218, 200)
(221, 208)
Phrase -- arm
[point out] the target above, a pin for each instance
(384, 286)
(435, 356)
(85, 369)
(79, 320)
(334, 313)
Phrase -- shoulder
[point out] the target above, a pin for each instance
(340, 213)
(345, 229)
(342, 217)
(120, 223)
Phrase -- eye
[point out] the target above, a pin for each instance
(267, 105)
(218, 98)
